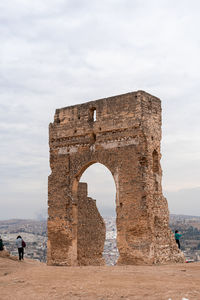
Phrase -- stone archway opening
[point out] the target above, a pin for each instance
(101, 187)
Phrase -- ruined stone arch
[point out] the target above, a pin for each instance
(123, 137)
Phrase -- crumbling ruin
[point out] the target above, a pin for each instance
(123, 133)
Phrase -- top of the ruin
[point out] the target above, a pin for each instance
(111, 98)
(111, 113)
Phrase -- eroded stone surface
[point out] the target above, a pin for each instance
(91, 230)
(125, 137)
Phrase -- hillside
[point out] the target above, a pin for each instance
(35, 235)
(189, 227)
(30, 279)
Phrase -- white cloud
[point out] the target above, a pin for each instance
(59, 53)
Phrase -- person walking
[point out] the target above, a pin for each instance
(20, 247)
(1, 244)
(177, 238)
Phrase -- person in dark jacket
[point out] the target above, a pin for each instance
(1, 244)
(177, 238)
(20, 248)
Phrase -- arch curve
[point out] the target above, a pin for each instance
(89, 215)
(82, 169)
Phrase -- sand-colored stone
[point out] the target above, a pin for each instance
(91, 230)
(6, 254)
(125, 137)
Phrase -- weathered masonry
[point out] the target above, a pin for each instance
(123, 133)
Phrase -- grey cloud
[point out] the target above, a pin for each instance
(55, 54)
(22, 205)
(185, 201)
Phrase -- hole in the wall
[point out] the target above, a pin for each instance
(143, 161)
(94, 136)
(92, 114)
(155, 168)
(155, 161)
(150, 105)
(101, 187)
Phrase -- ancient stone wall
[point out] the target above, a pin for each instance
(91, 230)
(123, 133)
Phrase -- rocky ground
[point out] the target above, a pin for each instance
(30, 279)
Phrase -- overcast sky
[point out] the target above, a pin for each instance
(55, 53)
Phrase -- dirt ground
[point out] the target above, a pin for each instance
(33, 280)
